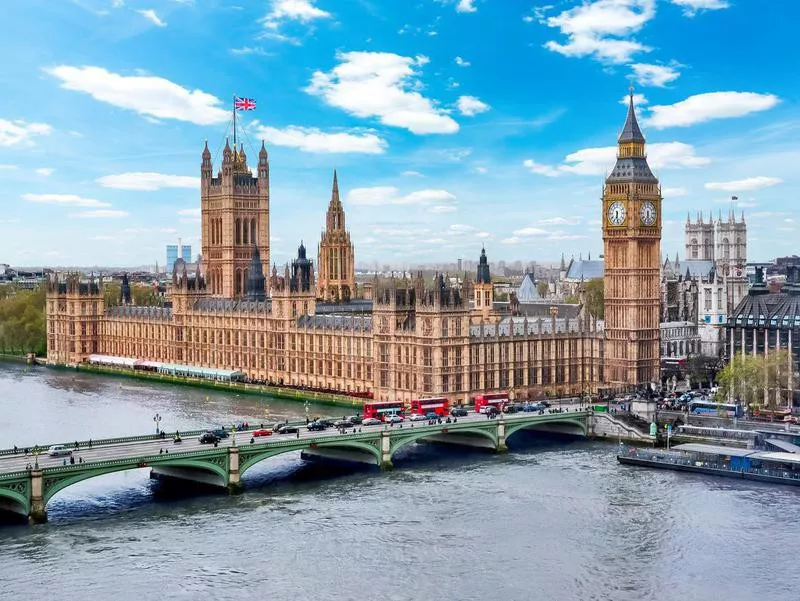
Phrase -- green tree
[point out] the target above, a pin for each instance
(760, 382)
(702, 369)
(22, 322)
(595, 302)
(543, 288)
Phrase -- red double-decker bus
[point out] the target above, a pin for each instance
(498, 400)
(380, 409)
(438, 405)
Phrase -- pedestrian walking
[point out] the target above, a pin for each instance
(298, 434)
(64, 462)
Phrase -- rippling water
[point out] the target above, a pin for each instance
(550, 520)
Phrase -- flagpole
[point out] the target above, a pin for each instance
(234, 121)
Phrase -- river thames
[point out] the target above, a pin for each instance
(550, 520)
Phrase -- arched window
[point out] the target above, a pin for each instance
(726, 248)
(238, 231)
(246, 231)
(253, 238)
(694, 248)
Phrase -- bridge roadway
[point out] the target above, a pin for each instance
(27, 483)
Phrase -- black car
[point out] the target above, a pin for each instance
(459, 412)
(208, 438)
(355, 419)
(316, 426)
(288, 429)
(342, 423)
(511, 408)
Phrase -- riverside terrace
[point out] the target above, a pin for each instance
(27, 483)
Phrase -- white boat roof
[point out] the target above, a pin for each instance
(713, 449)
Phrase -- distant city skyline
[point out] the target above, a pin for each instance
(472, 134)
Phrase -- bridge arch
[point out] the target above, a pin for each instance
(249, 459)
(54, 484)
(15, 497)
(400, 441)
(571, 425)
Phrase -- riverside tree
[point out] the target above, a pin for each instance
(758, 381)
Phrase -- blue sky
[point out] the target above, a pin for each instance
(452, 123)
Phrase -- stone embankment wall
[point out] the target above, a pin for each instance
(604, 425)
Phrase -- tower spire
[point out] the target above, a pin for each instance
(335, 191)
(631, 133)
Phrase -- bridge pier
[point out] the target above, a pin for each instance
(38, 513)
(386, 451)
(234, 479)
(501, 437)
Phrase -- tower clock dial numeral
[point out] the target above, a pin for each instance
(616, 213)
(648, 213)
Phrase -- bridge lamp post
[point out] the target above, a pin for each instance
(157, 420)
(306, 406)
(36, 452)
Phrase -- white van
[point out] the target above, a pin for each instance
(58, 449)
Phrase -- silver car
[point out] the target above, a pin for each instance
(57, 450)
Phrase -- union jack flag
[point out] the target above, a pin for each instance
(244, 104)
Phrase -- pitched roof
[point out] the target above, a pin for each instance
(631, 131)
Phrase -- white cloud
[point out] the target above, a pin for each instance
(460, 228)
(540, 169)
(466, 6)
(674, 192)
(382, 85)
(44, 171)
(100, 214)
(388, 195)
(602, 29)
(530, 231)
(147, 181)
(598, 161)
(147, 95)
(311, 139)
(638, 100)
(560, 221)
(247, 50)
(8, 167)
(511, 240)
(705, 107)
(194, 212)
(740, 185)
(64, 199)
(151, 16)
(461, 62)
(692, 7)
(469, 106)
(442, 209)
(14, 132)
(480, 169)
(303, 11)
(410, 173)
(654, 75)
(563, 236)
(104, 238)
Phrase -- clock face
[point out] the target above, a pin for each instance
(616, 213)
(648, 213)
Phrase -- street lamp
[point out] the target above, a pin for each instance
(36, 452)
(306, 406)
(157, 420)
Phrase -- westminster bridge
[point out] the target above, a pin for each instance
(28, 482)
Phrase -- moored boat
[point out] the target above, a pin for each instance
(729, 462)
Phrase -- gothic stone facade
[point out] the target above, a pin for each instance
(417, 337)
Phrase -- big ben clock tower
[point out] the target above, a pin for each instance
(632, 244)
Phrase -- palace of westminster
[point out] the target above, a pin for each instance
(307, 327)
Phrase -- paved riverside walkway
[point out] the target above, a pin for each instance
(27, 483)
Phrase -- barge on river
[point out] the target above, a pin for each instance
(715, 460)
